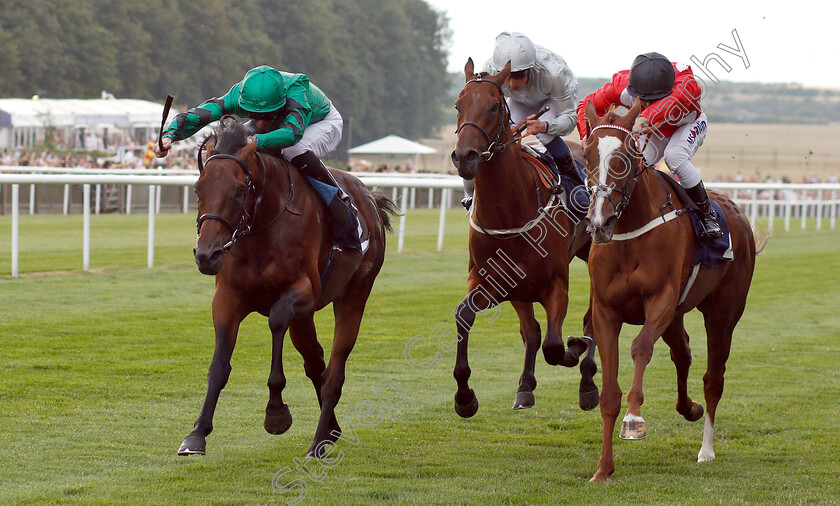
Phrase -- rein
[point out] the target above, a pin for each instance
(627, 191)
(603, 190)
(494, 143)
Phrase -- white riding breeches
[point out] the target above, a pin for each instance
(678, 149)
(321, 137)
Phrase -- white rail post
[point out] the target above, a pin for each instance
(818, 209)
(403, 206)
(833, 211)
(804, 213)
(86, 228)
(444, 194)
(98, 198)
(66, 205)
(186, 199)
(150, 256)
(15, 228)
(31, 199)
(431, 198)
(128, 199)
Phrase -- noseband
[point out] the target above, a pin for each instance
(494, 143)
(243, 226)
(604, 190)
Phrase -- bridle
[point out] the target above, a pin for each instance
(604, 190)
(246, 219)
(495, 144)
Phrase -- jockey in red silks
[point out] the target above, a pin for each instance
(670, 98)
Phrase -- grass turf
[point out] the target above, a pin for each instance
(103, 374)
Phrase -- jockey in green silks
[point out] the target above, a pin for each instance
(287, 113)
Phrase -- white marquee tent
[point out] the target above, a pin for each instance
(392, 145)
(23, 121)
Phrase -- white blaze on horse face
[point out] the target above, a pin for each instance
(606, 146)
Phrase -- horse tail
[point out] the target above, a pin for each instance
(761, 237)
(386, 208)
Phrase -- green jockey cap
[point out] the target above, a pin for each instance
(263, 90)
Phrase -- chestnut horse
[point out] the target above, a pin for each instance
(519, 244)
(264, 233)
(640, 265)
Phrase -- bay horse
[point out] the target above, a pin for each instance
(264, 233)
(640, 265)
(519, 244)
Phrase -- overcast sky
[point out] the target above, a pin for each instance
(782, 41)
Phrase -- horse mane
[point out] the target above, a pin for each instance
(231, 135)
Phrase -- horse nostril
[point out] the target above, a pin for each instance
(455, 161)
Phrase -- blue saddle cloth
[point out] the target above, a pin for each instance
(711, 252)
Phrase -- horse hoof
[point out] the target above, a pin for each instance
(589, 400)
(193, 445)
(578, 344)
(279, 423)
(633, 428)
(469, 408)
(523, 400)
(696, 412)
(554, 353)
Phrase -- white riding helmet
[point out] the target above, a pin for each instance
(516, 48)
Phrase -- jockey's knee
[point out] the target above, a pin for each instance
(684, 169)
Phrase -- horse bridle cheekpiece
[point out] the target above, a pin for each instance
(494, 143)
(243, 226)
(602, 190)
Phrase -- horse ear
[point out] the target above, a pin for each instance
(591, 114)
(469, 69)
(502, 75)
(249, 148)
(635, 110)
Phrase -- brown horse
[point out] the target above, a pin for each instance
(640, 265)
(519, 244)
(264, 233)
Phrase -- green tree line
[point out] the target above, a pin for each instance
(381, 62)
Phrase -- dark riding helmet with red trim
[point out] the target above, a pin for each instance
(651, 77)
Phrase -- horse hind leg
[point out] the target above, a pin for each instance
(529, 328)
(719, 329)
(305, 339)
(677, 339)
(348, 311)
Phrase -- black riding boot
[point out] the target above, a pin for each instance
(343, 214)
(711, 228)
(567, 167)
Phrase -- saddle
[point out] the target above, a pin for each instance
(571, 189)
(709, 253)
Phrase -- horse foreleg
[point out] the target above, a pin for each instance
(348, 311)
(554, 351)
(659, 313)
(677, 339)
(588, 397)
(226, 323)
(466, 403)
(530, 331)
(607, 326)
(296, 302)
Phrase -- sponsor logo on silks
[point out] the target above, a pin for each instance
(698, 129)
